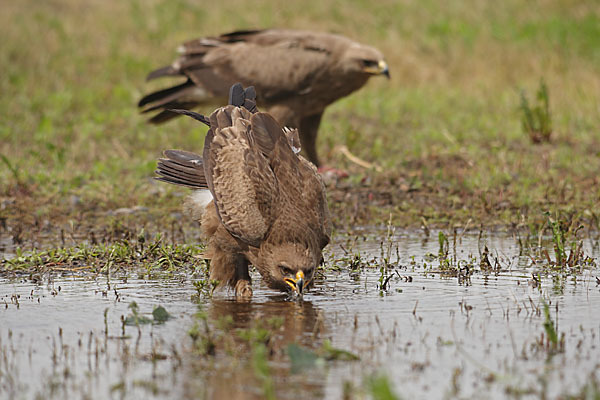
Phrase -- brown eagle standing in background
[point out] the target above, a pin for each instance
(266, 205)
(296, 74)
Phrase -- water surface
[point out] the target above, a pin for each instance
(432, 332)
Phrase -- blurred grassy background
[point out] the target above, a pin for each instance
(446, 129)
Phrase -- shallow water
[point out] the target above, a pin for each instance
(432, 334)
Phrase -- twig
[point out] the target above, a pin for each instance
(346, 152)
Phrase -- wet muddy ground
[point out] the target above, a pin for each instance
(388, 313)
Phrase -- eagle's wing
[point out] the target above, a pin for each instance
(302, 193)
(323, 216)
(315, 201)
(239, 173)
(279, 63)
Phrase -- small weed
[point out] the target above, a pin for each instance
(443, 252)
(261, 330)
(203, 338)
(381, 389)
(569, 256)
(352, 261)
(135, 318)
(259, 337)
(386, 256)
(13, 170)
(159, 316)
(549, 340)
(549, 326)
(205, 288)
(451, 265)
(537, 121)
(260, 366)
(560, 236)
(331, 353)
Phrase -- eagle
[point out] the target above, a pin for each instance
(258, 201)
(296, 73)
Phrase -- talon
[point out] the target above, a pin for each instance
(243, 290)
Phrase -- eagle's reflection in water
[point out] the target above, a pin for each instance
(233, 371)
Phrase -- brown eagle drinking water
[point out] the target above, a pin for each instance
(260, 202)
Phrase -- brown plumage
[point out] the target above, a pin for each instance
(297, 74)
(268, 204)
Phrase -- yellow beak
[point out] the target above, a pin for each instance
(297, 284)
(380, 69)
(383, 69)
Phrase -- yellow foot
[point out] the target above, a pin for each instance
(243, 290)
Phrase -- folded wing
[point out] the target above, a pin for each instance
(240, 175)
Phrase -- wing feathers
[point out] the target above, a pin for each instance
(182, 168)
(166, 95)
(223, 118)
(250, 99)
(239, 176)
(237, 95)
(238, 191)
(164, 71)
(241, 35)
(265, 132)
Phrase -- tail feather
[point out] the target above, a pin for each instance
(164, 96)
(240, 97)
(182, 168)
(164, 71)
(202, 45)
(166, 115)
(240, 35)
(195, 115)
(236, 95)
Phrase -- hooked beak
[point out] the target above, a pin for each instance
(297, 284)
(383, 69)
(380, 69)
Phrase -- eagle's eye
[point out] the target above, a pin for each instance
(370, 63)
(286, 270)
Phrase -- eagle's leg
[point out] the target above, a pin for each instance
(309, 127)
(231, 269)
(222, 266)
(227, 265)
(243, 287)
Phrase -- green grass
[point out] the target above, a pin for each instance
(153, 257)
(446, 128)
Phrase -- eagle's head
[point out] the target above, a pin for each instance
(288, 267)
(364, 59)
